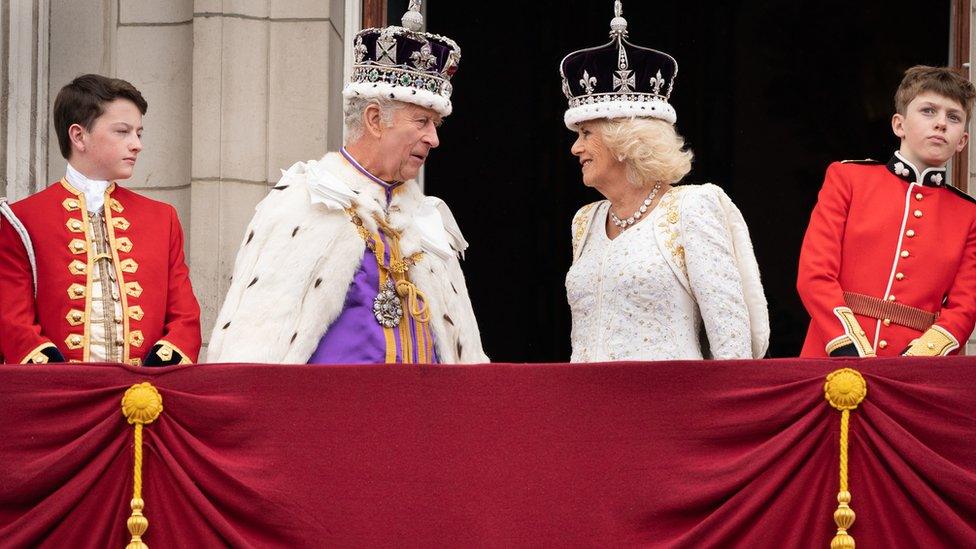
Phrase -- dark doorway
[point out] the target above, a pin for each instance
(767, 94)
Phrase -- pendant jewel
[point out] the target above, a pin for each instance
(387, 307)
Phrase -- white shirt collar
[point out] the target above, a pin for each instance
(93, 189)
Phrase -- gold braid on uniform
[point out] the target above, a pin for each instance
(936, 341)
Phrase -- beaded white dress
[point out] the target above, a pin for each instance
(668, 288)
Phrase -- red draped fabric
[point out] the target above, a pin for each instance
(677, 454)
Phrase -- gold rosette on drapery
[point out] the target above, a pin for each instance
(844, 390)
(141, 405)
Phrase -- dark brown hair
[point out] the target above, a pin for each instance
(83, 100)
(941, 80)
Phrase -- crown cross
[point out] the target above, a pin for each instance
(588, 82)
(423, 59)
(386, 49)
(624, 81)
(656, 83)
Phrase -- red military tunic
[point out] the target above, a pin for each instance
(146, 241)
(892, 235)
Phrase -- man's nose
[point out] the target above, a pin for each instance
(431, 138)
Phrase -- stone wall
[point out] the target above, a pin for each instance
(237, 90)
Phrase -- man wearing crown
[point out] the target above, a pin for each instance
(347, 261)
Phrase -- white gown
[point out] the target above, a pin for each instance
(650, 293)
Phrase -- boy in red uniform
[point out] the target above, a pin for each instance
(112, 283)
(888, 264)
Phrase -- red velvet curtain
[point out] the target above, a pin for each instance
(680, 454)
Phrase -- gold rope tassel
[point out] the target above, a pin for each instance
(141, 405)
(844, 390)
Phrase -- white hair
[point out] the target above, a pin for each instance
(354, 108)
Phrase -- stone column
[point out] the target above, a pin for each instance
(266, 94)
(150, 45)
(23, 97)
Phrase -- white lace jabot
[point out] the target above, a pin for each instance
(93, 189)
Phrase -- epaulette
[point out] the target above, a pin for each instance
(962, 194)
(865, 161)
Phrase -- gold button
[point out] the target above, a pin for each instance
(861, 332)
(910, 233)
(918, 213)
(886, 322)
(133, 288)
(931, 345)
(74, 341)
(882, 344)
(904, 253)
(891, 298)
(76, 291)
(900, 276)
(124, 244)
(136, 312)
(918, 196)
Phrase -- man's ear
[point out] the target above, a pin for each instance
(897, 125)
(962, 142)
(77, 134)
(372, 120)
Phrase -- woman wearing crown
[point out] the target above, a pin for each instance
(660, 271)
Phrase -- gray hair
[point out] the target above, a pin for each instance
(353, 110)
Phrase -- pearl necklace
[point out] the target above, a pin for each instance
(625, 223)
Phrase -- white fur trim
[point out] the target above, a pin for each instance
(384, 90)
(297, 260)
(656, 108)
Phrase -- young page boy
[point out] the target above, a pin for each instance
(112, 283)
(888, 264)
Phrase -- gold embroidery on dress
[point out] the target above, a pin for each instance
(669, 223)
(580, 223)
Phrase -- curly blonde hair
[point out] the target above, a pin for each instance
(651, 148)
